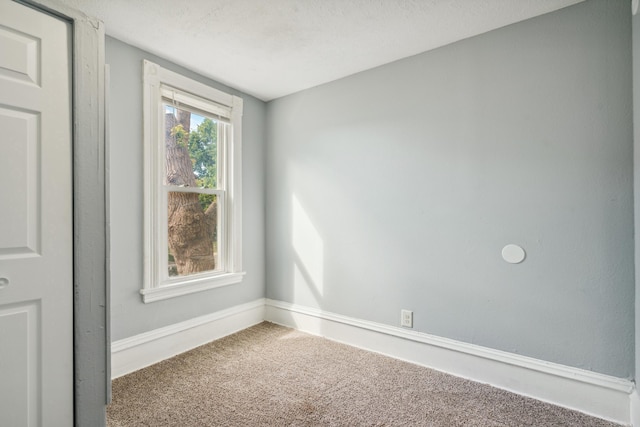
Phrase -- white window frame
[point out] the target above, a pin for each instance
(156, 286)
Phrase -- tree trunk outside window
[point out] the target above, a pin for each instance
(191, 229)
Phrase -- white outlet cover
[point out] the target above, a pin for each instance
(406, 318)
(513, 254)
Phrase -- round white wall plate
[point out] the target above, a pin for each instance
(513, 254)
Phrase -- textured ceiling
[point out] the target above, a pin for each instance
(271, 48)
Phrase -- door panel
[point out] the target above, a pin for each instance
(19, 330)
(19, 173)
(20, 55)
(36, 234)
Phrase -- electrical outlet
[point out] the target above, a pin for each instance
(406, 318)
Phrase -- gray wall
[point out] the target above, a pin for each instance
(129, 315)
(399, 186)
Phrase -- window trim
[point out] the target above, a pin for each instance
(154, 288)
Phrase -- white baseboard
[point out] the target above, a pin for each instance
(596, 394)
(139, 351)
(600, 395)
(635, 408)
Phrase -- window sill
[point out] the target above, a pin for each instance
(189, 287)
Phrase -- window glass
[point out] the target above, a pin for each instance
(194, 136)
(192, 233)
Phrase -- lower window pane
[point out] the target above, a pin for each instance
(192, 237)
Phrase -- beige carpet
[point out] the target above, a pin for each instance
(269, 375)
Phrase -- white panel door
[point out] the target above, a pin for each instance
(36, 253)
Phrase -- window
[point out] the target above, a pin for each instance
(192, 154)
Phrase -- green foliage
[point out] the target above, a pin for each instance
(206, 200)
(203, 149)
(180, 134)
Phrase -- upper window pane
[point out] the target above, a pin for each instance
(191, 148)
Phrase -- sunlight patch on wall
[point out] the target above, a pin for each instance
(309, 251)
